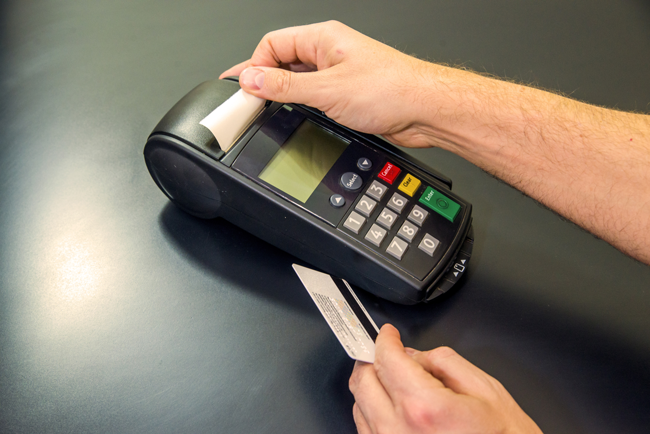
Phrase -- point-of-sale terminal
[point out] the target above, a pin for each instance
(348, 203)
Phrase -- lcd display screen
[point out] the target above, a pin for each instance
(303, 160)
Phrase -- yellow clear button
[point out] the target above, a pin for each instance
(409, 184)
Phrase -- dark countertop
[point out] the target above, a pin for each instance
(120, 313)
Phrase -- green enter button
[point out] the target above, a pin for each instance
(440, 204)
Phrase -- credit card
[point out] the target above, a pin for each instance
(343, 311)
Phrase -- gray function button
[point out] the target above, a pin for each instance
(397, 203)
(376, 235)
(364, 164)
(418, 215)
(337, 200)
(376, 190)
(365, 206)
(351, 181)
(354, 222)
(397, 248)
(387, 218)
(408, 231)
(428, 244)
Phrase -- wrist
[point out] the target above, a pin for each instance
(455, 107)
(484, 120)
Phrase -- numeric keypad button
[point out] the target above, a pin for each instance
(397, 203)
(365, 206)
(376, 190)
(397, 248)
(376, 235)
(408, 231)
(354, 222)
(418, 215)
(428, 244)
(387, 218)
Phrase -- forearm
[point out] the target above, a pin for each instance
(590, 164)
(587, 163)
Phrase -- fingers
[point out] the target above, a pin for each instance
(277, 69)
(235, 70)
(280, 85)
(302, 48)
(312, 45)
(398, 371)
(456, 373)
(485, 400)
(371, 398)
(360, 420)
(289, 65)
(285, 46)
(406, 390)
(357, 81)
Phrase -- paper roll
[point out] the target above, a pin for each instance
(228, 121)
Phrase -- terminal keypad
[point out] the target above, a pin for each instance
(392, 212)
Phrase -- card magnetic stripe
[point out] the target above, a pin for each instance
(356, 309)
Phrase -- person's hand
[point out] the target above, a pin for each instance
(357, 81)
(536, 141)
(437, 391)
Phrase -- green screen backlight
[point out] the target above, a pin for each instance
(303, 160)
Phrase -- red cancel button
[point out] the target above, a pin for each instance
(389, 172)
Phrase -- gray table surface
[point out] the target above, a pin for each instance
(120, 313)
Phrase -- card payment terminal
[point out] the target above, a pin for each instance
(348, 203)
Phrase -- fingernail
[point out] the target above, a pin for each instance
(410, 351)
(252, 78)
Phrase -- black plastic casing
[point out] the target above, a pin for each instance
(188, 165)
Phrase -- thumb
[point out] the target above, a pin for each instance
(280, 85)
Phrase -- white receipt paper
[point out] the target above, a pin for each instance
(343, 311)
(231, 118)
